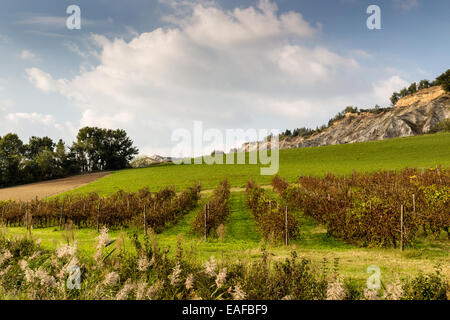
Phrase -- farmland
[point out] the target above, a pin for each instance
(415, 152)
(247, 228)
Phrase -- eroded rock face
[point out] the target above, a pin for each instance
(404, 121)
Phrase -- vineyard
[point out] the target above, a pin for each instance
(215, 211)
(377, 209)
(274, 220)
(142, 208)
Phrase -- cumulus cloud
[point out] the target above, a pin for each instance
(385, 88)
(27, 124)
(41, 79)
(241, 68)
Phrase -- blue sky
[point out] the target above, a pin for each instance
(151, 67)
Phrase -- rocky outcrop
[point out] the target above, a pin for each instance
(426, 109)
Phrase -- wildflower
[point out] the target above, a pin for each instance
(23, 264)
(5, 256)
(370, 294)
(153, 291)
(35, 255)
(195, 296)
(221, 277)
(210, 267)
(103, 239)
(175, 276)
(125, 291)
(336, 290)
(140, 290)
(111, 279)
(4, 272)
(189, 282)
(45, 279)
(65, 251)
(394, 291)
(29, 275)
(238, 293)
(143, 264)
(101, 242)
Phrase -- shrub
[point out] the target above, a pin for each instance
(443, 126)
(432, 286)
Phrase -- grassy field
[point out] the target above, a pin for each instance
(420, 152)
(242, 242)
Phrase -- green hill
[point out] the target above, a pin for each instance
(419, 151)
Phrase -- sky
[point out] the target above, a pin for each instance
(152, 67)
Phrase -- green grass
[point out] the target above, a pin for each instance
(420, 152)
(243, 242)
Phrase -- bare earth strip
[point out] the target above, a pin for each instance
(49, 188)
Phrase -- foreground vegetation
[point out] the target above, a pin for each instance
(148, 272)
(241, 242)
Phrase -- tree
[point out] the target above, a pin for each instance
(103, 149)
(36, 145)
(403, 92)
(424, 84)
(11, 156)
(444, 80)
(412, 88)
(394, 98)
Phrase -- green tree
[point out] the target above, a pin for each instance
(11, 157)
(103, 149)
(444, 80)
(36, 145)
(412, 88)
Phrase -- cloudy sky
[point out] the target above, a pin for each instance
(151, 67)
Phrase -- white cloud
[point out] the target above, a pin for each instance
(385, 88)
(406, 4)
(5, 103)
(27, 124)
(241, 68)
(53, 22)
(28, 55)
(41, 79)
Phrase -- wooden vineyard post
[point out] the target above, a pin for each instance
(61, 215)
(98, 215)
(414, 203)
(3, 214)
(30, 220)
(401, 229)
(145, 219)
(286, 227)
(26, 215)
(206, 217)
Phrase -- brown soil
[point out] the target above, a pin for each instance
(48, 188)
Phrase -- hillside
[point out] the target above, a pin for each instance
(420, 151)
(413, 115)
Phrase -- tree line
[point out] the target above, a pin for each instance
(443, 80)
(41, 158)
